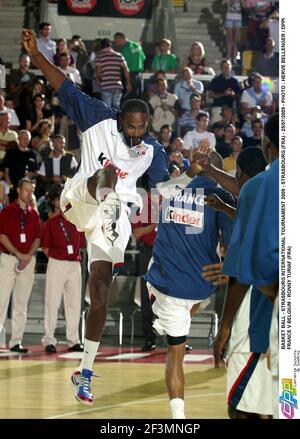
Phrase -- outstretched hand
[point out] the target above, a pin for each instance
(28, 39)
(215, 202)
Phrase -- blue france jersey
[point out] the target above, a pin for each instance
(102, 143)
(188, 235)
(258, 315)
(260, 249)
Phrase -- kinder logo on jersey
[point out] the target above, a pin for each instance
(184, 216)
(105, 162)
(287, 399)
(81, 6)
(129, 7)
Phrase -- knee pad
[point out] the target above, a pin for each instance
(173, 341)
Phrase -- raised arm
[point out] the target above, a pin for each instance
(52, 73)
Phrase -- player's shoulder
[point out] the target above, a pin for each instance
(151, 140)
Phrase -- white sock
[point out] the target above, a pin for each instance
(89, 354)
(177, 408)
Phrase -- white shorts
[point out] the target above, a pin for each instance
(87, 215)
(173, 315)
(249, 383)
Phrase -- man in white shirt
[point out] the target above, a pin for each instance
(192, 139)
(256, 95)
(44, 43)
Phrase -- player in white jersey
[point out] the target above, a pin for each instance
(109, 139)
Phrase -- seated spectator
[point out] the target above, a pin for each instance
(218, 130)
(165, 60)
(256, 139)
(58, 165)
(176, 144)
(41, 142)
(268, 63)
(197, 61)
(19, 162)
(62, 47)
(174, 170)
(4, 188)
(229, 163)
(162, 105)
(187, 86)
(151, 84)
(192, 139)
(164, 137)
(188, 120)
(71, 72)
(4, 107)
(38, 112)
(256, 95)
(224, 90)
(36, 86)
(182, 162)
(19, 78)
(228, 115)
(255, 113)
(223, 147)
(8, 137)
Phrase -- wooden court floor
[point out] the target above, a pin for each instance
(41, 389)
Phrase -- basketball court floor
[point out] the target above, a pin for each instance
(129, 385)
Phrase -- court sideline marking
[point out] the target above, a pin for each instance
(126, 404)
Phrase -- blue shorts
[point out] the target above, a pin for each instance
(233, 24)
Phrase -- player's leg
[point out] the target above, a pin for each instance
(174, 374)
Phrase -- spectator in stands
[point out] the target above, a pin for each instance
(162, 105)
(255, 113)
(151, 84)
(197, 61)
(228, 115)
(165, 60)
(182, 162)
(218, 130)
(192, 139)
(79, 52)
(256, 95)
(41, 142)
(223, 147)
(257, 33)
(14, 120)
(71, 72)
(44, 43)
(20, 237)
(233, 25)
(256, 139)
(38, 112)
(8, 137)
(58, 165)
(19, 162)
(19, 78)
(176, 144)
(61, 244)
(4, 188)
(135, 58)
(109, 67)
(268, 63)
(62, 47)
(164, 138)
(229, 163)
(187, 86)
(224, 89)
(174, 170)
(188, 120)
